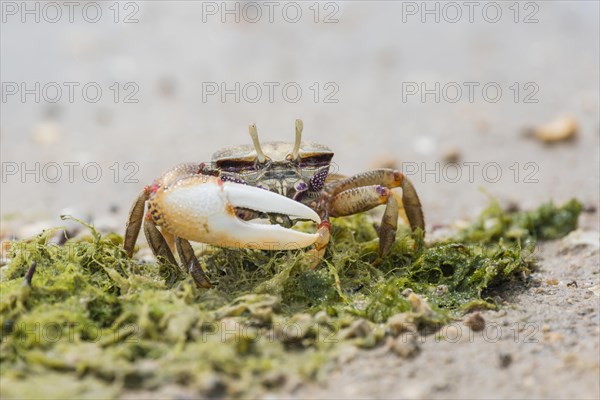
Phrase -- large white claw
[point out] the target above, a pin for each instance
(203, 212)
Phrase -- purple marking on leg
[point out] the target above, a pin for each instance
(300, 186)
(382, 191)
(317, 182)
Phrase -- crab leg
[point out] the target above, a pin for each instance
(189, 260)
(358, 199)
(412, 205)
(157, 243)
(316, 254)
(388, 178)
(202, 209)
(385, 177)
(136, 213)
(134, 222)
(388, 227)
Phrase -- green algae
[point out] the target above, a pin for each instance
(544, 223)
(94, 323)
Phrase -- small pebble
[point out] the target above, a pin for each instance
(322, 318)
(404, 346)
(274, 379)
(441, 290)
(560, 130)
(419, 304)
(513, 207)
(359, 328)
(580, 237)
(400, 323)
(476, 322)
(505, 360)
(595, 290)
(451, 156)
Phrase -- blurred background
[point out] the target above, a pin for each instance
(98, 98)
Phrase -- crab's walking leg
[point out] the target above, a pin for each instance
(134, 222)
(388, 178)
(359, 199)
(189, 260)
(317, 253)
(157, 242)
(169, 238)
(389, 226)
(384, 176)
(412, 205)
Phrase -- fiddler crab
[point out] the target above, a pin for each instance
(222, 203)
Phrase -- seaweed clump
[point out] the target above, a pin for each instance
(544, 223)
(93, 323)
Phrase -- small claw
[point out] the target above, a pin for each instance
(202, 209)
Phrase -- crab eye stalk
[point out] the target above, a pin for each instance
(296, 150)
(254, 135)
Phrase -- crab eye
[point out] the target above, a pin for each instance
(318, 160)
(235, 165)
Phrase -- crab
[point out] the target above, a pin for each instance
(222, 203)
